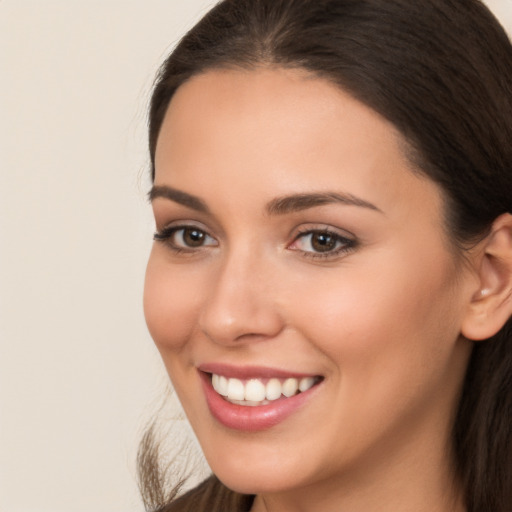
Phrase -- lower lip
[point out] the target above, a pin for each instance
(252, 419)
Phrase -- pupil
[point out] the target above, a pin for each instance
(193, 237)
(323, 242)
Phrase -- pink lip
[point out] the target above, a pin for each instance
(249, 372)
(252, 419)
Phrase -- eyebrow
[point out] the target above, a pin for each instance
(278, 206)
(179, 197)
(299, 202)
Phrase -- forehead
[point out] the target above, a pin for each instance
(284, 131)
(286, 105)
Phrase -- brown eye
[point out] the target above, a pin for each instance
(182, 238)
(323, 242)
(193, 237)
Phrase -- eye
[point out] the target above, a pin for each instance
(183, 238)
(322, 243)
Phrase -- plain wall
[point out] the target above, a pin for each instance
(79, 376)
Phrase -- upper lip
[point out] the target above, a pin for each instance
(250, 372)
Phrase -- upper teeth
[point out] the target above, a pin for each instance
(256, 391)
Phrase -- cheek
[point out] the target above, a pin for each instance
(398, 311)
(171, 304)
(390, 340)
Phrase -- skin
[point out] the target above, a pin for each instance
(380, 321)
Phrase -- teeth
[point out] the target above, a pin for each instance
(255, 392)
(290, 387)
(248, 403)
(220, 384)
(215, 382)
(273, 389)
(236, 389)
(306, 383)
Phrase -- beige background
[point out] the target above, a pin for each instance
(79, 376)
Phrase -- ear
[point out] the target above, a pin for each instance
(491, 305)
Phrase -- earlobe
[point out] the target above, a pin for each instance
(491, 305)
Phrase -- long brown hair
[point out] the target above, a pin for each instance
(441, 72)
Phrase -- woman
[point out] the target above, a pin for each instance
(330, 284)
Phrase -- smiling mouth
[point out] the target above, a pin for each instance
(257, 392)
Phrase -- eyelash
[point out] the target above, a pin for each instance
(346, 244)
(166, 236)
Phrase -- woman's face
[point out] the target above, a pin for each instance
(297, 250)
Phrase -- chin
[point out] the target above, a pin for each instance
(251, 482)
(250, 471)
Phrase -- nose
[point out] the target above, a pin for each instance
(242, 305)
